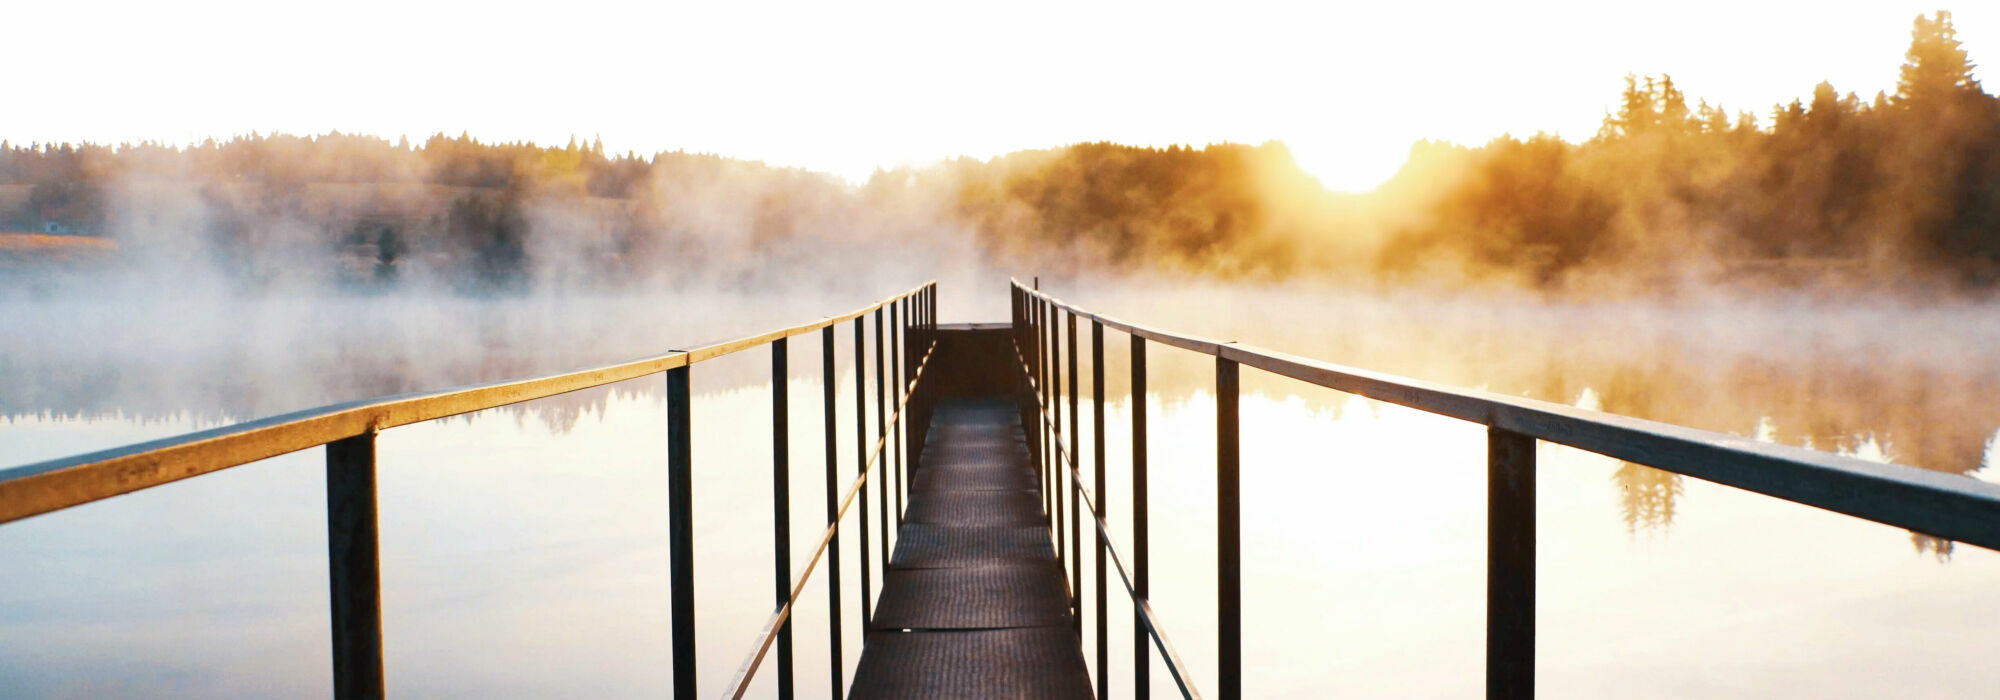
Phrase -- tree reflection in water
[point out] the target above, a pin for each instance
(1646, 497)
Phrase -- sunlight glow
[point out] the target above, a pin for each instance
(847, 90)
(1348, 166)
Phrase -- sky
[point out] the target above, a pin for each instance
(853, 87)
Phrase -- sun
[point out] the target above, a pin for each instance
(1347, 165)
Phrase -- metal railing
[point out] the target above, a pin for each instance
(348, 431)
(1947, 506)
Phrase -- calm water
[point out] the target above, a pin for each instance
(524, 548)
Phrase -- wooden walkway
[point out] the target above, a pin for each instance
(975, 604)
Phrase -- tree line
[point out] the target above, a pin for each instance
(1903, 185)
(1901, 189)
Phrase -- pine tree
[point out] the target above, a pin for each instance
(1673, 107)
(1937, 69)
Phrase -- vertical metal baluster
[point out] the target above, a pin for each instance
(897, 407)
(912, 349)
(881, 432)
(908, 353)
(1076, 493)
(827, 394)
(1055, 438)
(1014, 317)
(1027, 359)
(354, 568)
(1014, 334)
(1510, 564)
(1029, 353)
(1229, 533)
(1142, 667)
(680, 525)
(781, 504)
(930, 337)
(924, 341)
(1025, 340)
(861, 464)
(1103, 502)
(1042, 412)
(914, 356)
(896, 321)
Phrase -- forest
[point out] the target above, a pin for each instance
(1833, 191)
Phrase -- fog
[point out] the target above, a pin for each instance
(1827, 279)
(1914, 378)
(228, 301)
(1911, 376)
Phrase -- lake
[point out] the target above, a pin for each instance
(524, 548)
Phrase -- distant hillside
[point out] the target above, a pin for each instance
(1901, 191)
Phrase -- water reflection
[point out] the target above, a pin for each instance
(1363, 532)
(524, 555)
(524, 548)
(1879, 382)
(1646, 496)
(526, 561)
(227, 360)
(1886, 381)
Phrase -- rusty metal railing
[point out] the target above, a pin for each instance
(348, 431)
(1947, 506)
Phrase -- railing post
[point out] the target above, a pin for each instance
(861, 461)
(1103, 502)
(680, 526)
(1041, 340)
(921, 428)
(1042, 412)
(906, 362)
(1055, 438)
(1076, 496)
(896, 319)
(1229, 533)
(828, 380)
(881, 433)
(1019, 320)
(1510, 564)
(924, 339)
(354, 567)
(1019, 317)
(932, 336)
(1142, 667)
(781, 504)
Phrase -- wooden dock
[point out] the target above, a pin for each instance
(975, 604)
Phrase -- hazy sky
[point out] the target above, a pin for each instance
(845, 88)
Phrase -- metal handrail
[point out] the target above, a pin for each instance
(348, 431)
(1175, 666)
(1949, 506)
(52, 485)
(1943, 505)
(748, 671)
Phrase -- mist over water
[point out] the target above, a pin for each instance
(236, 358)
(1890, 380)
(1913, 377)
